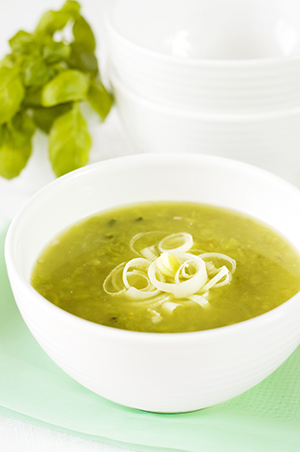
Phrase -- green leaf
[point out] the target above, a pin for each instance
(25, 43)
(20, 59)
(69, 143)
(83, 35)
(59, 67)
(100, 99)
(15, 145)
(70, 85)
(72, 7)
(83, 61)
(54, 52)
(49, 71)
(8, 61)
(44, 117)
(11, 93)
(51, 22)
(36, 73)
(23, 128)
(33, 97)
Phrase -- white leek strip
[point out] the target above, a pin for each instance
(139, 268)
(226, 280)
(116, 275)
(170, 306)
(134, 239)
(182, 271)
(149, 253)
(167, 264)
(211, 269)
(224, 272)
(180, 243)
(219, 256)
(135, 277)
(160, 299)
(111, 279)
(141, 294)
(156, 317)
(199, 299)
(138, 263)
(132, 243)
(185, 288)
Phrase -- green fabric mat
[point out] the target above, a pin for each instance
(32, 387)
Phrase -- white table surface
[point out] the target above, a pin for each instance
(109, 140)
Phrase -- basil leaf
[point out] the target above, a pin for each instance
(19, 60)
(8, 61)
(47, 73)
(72, 7)
(69, 143)
(15, 145)
(22, 127)
(44, 117)
(11, 93)
(100, 99)
(54, 52)
(51, 22)
(36, 73)
(83, 61)
(67, 86)
(24, 43)
(83, 35)
(33, 97)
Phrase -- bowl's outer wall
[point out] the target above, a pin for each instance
(209, 31)
(164, 373)
(234, 57)
(256, 138)
(208, 88)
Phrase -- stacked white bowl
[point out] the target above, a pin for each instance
(219, 77)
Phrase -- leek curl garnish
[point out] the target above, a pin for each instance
(166, 275)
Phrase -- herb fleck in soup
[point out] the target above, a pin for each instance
(168, 267)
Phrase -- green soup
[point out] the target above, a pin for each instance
(168, 267)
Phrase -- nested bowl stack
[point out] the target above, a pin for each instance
(212, 77)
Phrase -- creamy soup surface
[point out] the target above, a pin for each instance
(168, 267)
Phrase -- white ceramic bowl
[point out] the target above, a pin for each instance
(232, 90)
(156, 372)
(218, 30)
(270, 140)
(228, 56)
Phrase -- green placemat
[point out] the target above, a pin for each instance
(32, 387)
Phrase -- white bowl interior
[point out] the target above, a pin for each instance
(214, 29)
(152, 177)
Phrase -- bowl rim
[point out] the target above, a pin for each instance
(25, 287)
(193, 114)
(200, 62)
